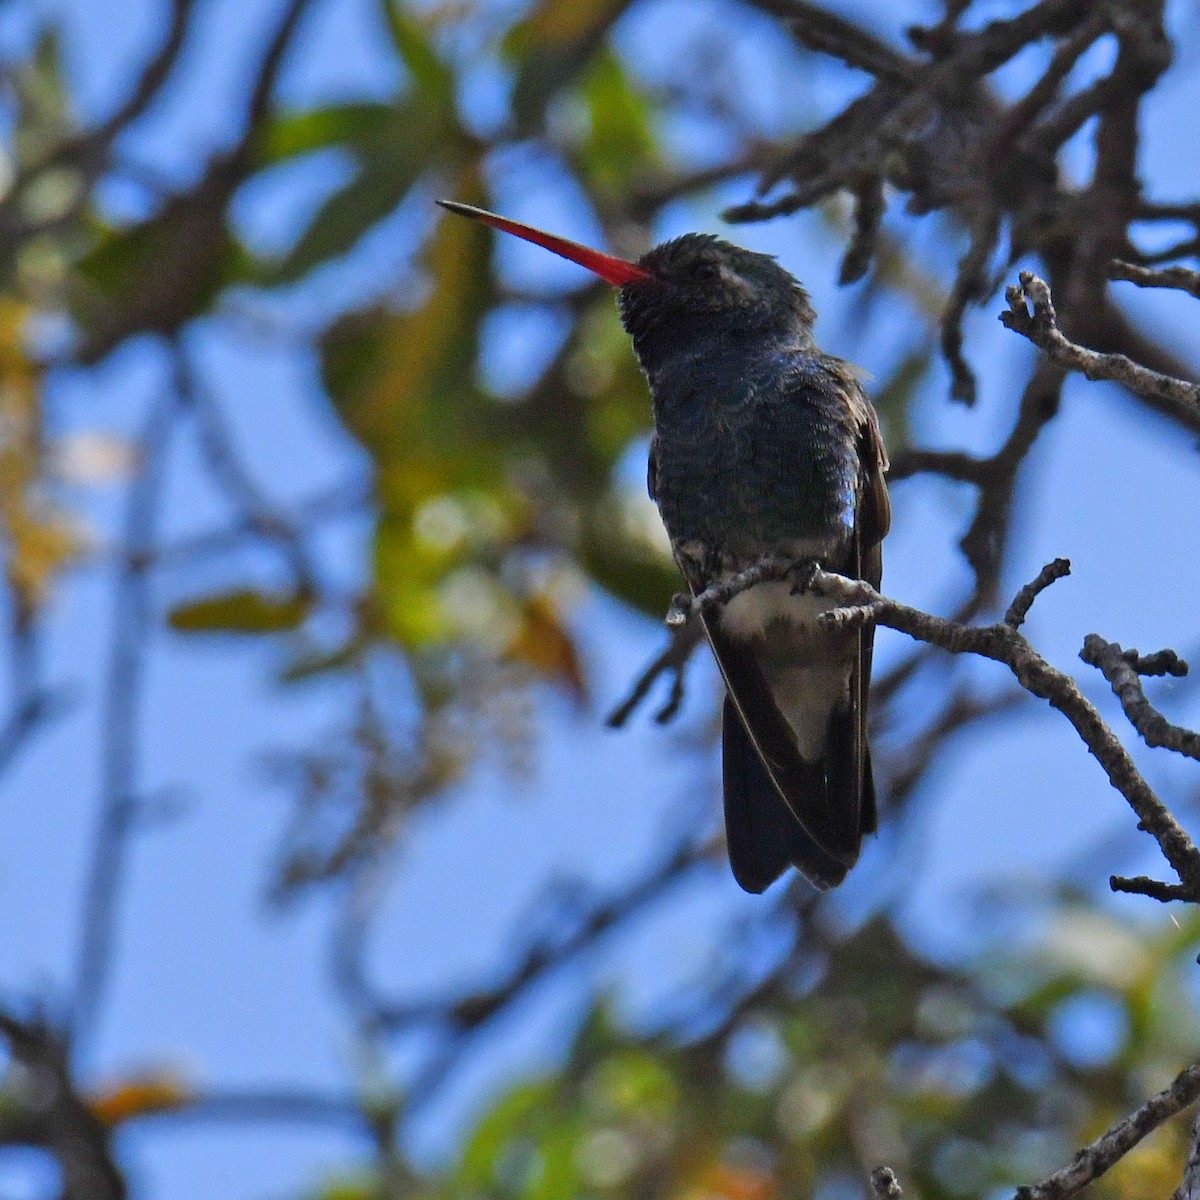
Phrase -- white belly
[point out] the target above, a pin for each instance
(807, 667)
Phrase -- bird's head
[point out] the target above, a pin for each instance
(693, 286)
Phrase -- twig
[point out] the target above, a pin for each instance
(1031, 314)
(57, 1117)
(338, 501)
(970, 284)
(824, 32)
(1182, 279)
(1093, 1160)
(281, 1105)
(228, 469)
(1189, 1188)
(951, 464)
(30, 703)
(1143, 885)
(1018, 610)
(1123, 669)
(468, 1013)
(118, 803)
(1004, 644)
(673, 660)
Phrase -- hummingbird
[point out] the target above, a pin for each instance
(762, 444)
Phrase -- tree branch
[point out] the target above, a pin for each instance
(126, 674)
(1180, 278)
(1031, 314)
(1093, 1160)
(1123, 670)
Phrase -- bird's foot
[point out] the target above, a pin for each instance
(683, 608)
(852, 617)
(802, 573)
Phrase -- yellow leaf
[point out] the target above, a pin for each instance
(242, 611)
(139, 1096)
(544, 644)
(38, 536)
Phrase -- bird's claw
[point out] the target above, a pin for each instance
(803, 574)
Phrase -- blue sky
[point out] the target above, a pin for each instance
(212, 981)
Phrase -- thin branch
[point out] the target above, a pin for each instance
(1123, 669)
(1189, 1188)
(1181, 279)
(272, 61)
(1143, 885)
(470, 1012)
(228, 469)
(724, 587)
(339, 501)
(1018, 610)
(123, 694)
(671, 661)
(1093, 1160)
(970, 284)
(951, 464)
(30, 704)
(858, 603)
(57, 1117)
(152, 78)
(1023, 112)
(280, 1105)
(825, 32)
(1004, 644)
(1031, 314)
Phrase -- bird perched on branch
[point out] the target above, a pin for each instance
(763, 445)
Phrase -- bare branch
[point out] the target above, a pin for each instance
(57, 1117)
(126, 673)
(672, 660)
(970, 284)
(1093, 1160)
(1182, 279)
(1123, 670)
(468, 1013)
(724, 587)
(1018, 610)
(1004, 644)
(1031, 314)
(1143, 885)
(228, 469)
(1189, 1189)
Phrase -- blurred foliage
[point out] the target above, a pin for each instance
(969, 1080)
(493, 516)
(864, 1053)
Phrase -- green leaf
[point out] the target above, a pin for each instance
(296, 133)
(620, 145)
(516, 1115)
(392, 145)
(431, 77)
(241, 611)
(154, 277)
(552, 45)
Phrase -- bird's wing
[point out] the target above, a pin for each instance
(828, 804)
(872, 520)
